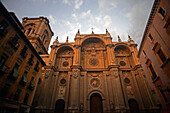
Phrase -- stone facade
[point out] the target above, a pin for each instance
(154, 52)
(93, 74)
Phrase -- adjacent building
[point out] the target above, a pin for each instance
(154, 52)
(20, 65)
(94, 75)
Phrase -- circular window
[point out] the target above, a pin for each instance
(93, 62)
(122, 63)
(126, 80)
(62, 81)
(65, 64)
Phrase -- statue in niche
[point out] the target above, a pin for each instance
(129, 91)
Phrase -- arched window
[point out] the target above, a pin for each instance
(29, 30)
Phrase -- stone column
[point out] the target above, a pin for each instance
(106, 92)
(53, 99)
(75, 89)
(137, 89)
(77, 52)
(117, 89)
(110, 55)
(68, 91)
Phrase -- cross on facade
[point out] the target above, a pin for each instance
(92, 29)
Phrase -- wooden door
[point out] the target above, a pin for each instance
(133, 105)
(59, 106)
(96, 105)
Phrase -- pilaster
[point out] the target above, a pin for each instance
(117, 89)
(75, 89)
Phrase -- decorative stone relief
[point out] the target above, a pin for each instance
(75, 73)
(95, 82)
(47, 73)
(93, 62)
(61, 91)
(129, 91)
(115, 73)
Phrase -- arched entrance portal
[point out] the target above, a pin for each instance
(96, 105)
(133, 105)
(59, 106)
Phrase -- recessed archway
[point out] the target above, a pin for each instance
(59, 106)
(96, 104)
(133, 105)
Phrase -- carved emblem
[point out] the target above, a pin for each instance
(65, 64)
(115, 73)
(75, 73)
(93, 62)
(95, 82)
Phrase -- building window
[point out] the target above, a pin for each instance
(3, 27)
(151, 70)
(154, 76)
(3, 59)
(24, 78)
(24, 52)
(144, 53)
(150, 36)
(159, 53)
(31, 84)
(17, 94)
(162, 12)
(36, 68)
(26, 98)
(14, 41)
(162, 93)
(29, 31)
(167, 26)
(4, 91)
(14, 72)
(30, 61)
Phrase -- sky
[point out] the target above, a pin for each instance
(120, 17)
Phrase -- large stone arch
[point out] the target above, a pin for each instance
(122, 49)
(90, 36)
(64, 55)
(95, 91)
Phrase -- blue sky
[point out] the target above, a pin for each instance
(120, 17)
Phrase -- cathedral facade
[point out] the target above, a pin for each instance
(93, 75)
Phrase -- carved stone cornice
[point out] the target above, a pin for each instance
(110, 45)
(49, 67)
(113, 66)
(76, 67)
(77, 46)
(137, 66)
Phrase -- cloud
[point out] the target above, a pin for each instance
(138, 15)
(85, 14)
(52, 19)
(107, 3)
(76, 3)
(39, 0)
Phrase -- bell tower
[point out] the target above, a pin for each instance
(38, 32)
